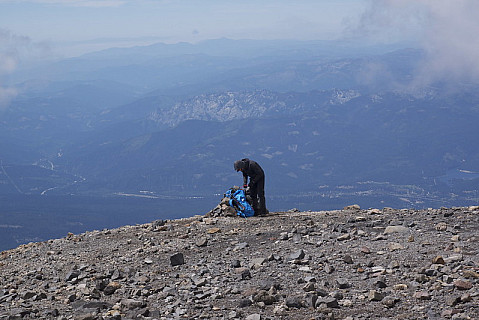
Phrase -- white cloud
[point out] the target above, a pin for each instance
(389, 21)
(447, 31)
(451, 40)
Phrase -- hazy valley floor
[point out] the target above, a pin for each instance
(343, 264)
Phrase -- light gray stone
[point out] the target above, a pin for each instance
(396, 229)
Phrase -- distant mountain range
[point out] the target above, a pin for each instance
(321, 118)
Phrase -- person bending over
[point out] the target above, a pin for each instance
(253, 170)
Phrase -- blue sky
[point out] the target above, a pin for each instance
(74, 26)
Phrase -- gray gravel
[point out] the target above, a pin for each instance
(344, 264)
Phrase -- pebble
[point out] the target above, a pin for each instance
(396, 229)
(202, 242)
(328, 302)
(294, 302)
(297, 255)
(438, 260)
(422, 295)
(374, 295)
(177, 259)
(462, 285)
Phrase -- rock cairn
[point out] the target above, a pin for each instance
(223, 209)
(345, 264)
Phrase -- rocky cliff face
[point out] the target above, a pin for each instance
(345, 264)
(226, 106)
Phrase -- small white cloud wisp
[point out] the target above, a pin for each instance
(9, 47)
(15, 50)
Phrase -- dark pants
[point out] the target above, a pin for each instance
(257, 195)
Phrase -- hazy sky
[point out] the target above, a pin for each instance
(446, 29)
(75, 26)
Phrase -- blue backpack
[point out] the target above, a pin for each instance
(238, 201)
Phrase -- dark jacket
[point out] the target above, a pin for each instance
(253, 170)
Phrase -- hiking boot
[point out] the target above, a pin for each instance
(262, 213)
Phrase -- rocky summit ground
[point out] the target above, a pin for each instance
(344, 264)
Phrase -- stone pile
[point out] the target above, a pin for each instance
(223, 209)
(345, 264)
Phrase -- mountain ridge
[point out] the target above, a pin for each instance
(324, 124)
(319, 124)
